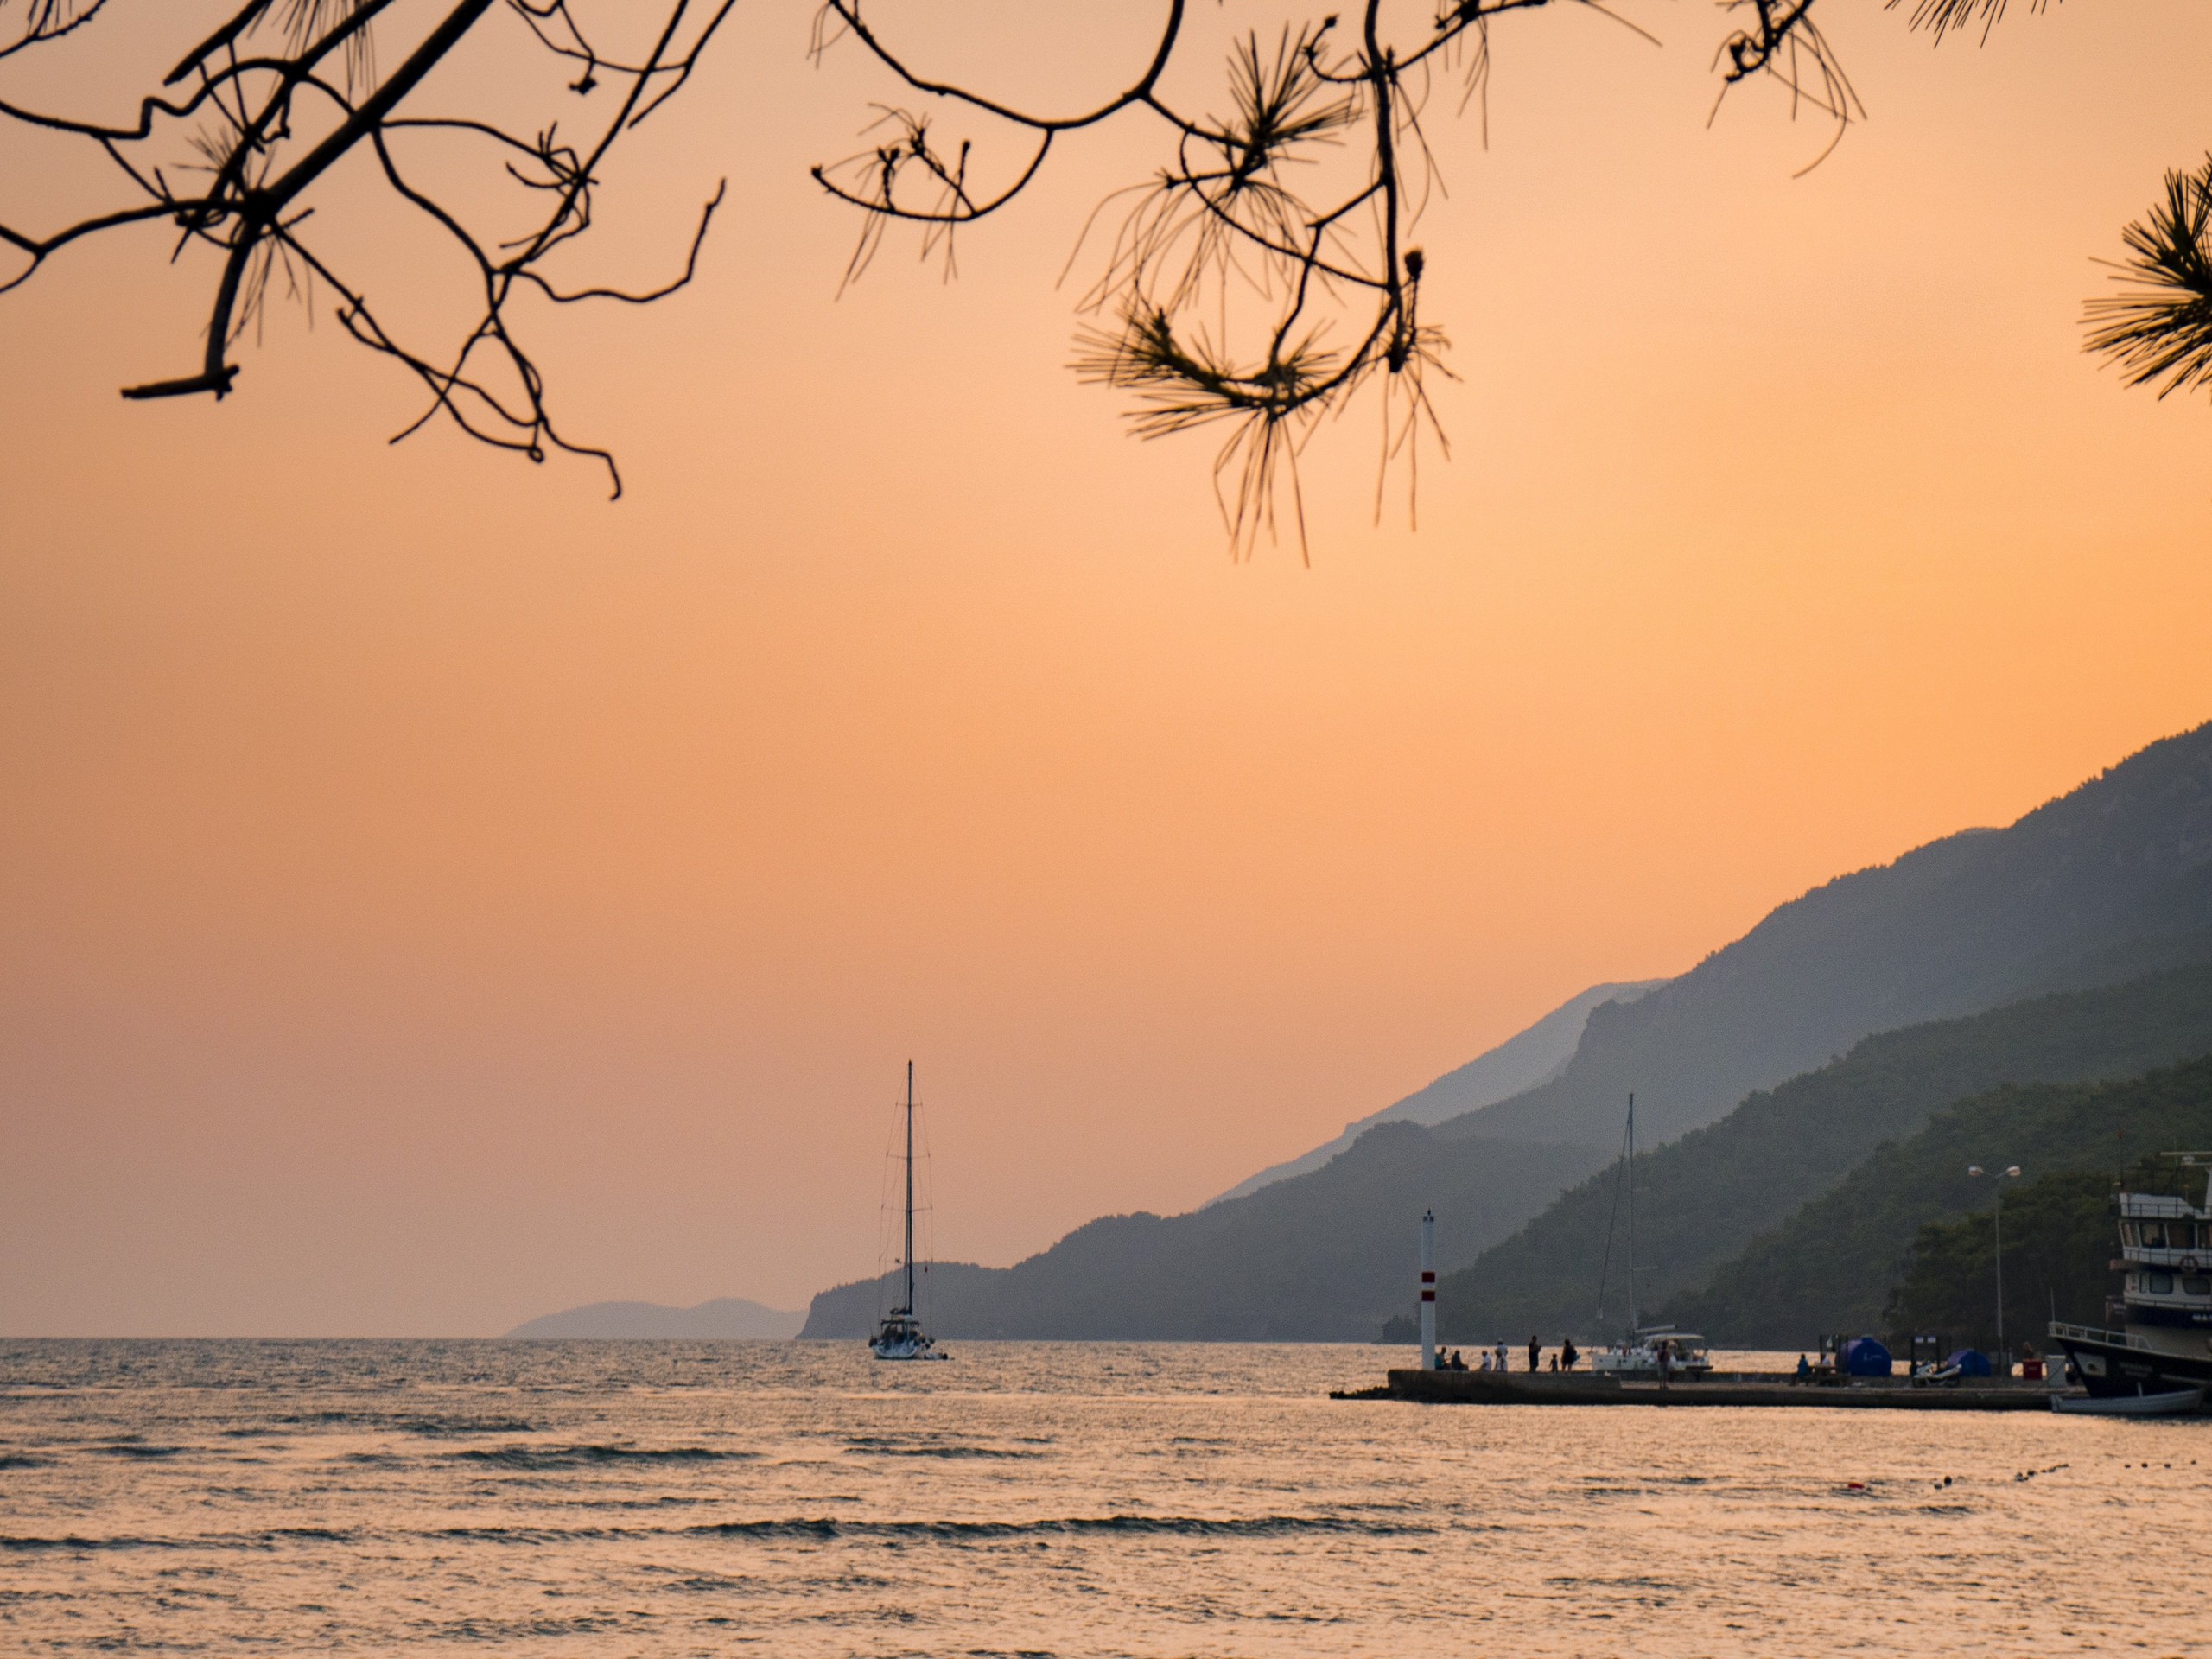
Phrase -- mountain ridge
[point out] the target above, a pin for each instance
(2107, 874)
(2091, 889)
(1531, 1056)
(1322, 1256)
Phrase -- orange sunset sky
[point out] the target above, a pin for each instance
(431, 895)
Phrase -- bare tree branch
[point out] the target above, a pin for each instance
(1263, 276)
(1266, 275)
(282, 127)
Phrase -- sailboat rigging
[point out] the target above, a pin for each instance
(1657, 1350)
(900, 1335)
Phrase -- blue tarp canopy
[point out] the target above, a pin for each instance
(1971, 1362)
(1863, 1357)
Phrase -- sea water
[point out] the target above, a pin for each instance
(802, 1498)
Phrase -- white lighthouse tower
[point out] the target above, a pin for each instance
(1428, 1290)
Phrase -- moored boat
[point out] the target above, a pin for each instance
(899, 1334)
(1655, 1350)
(2161, 1349)
(2180, 1402)
(1645, 1351)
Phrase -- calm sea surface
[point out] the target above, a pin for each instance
(677, 1498)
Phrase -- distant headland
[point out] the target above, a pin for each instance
(724, 1318)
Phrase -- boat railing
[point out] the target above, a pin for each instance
(2157, 1206)
(2092, 1333)
(2176, 1258)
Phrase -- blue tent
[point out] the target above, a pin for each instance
(1971, 1362)
(1863, 1357)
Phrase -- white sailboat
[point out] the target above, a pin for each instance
(900, 1335)
(1644, 1351)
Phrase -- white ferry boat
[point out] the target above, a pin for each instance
(2161, 1349)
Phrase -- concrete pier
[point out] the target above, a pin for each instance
(1734, 1389)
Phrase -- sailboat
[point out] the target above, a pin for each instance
(899, 1334)
(1657, 1350)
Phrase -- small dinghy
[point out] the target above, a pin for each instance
(2177, 1403)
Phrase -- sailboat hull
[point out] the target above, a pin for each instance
(901, 1336)
(903, 1352)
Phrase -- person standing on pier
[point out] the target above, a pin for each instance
(1568, 1354)
(1536, 1353)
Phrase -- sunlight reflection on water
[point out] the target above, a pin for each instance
(666, 1499)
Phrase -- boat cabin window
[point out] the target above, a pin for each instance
(2154, 1234)
(2196, 1284)
(2159, 1284)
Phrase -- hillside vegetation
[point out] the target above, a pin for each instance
(1706, 1197)
(2058, 1239)
(1832, 1266)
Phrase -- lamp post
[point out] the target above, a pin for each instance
(2010, 1172)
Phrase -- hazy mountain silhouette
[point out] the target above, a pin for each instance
(2104, 884)
(1520, 1063)
(1721, 1191)
(2101, 885)
(1325, 1256)
(725, 1316)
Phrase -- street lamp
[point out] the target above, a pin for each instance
(2010, 1172)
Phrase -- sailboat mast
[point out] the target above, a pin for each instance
(910, 1187)
(1631, 1218)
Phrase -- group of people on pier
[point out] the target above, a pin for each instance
(1495, 1359)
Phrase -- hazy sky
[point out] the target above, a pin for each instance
(430, 896)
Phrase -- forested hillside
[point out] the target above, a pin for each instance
(1832, 1267)
(1703, 1199)
(2059, 1245)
